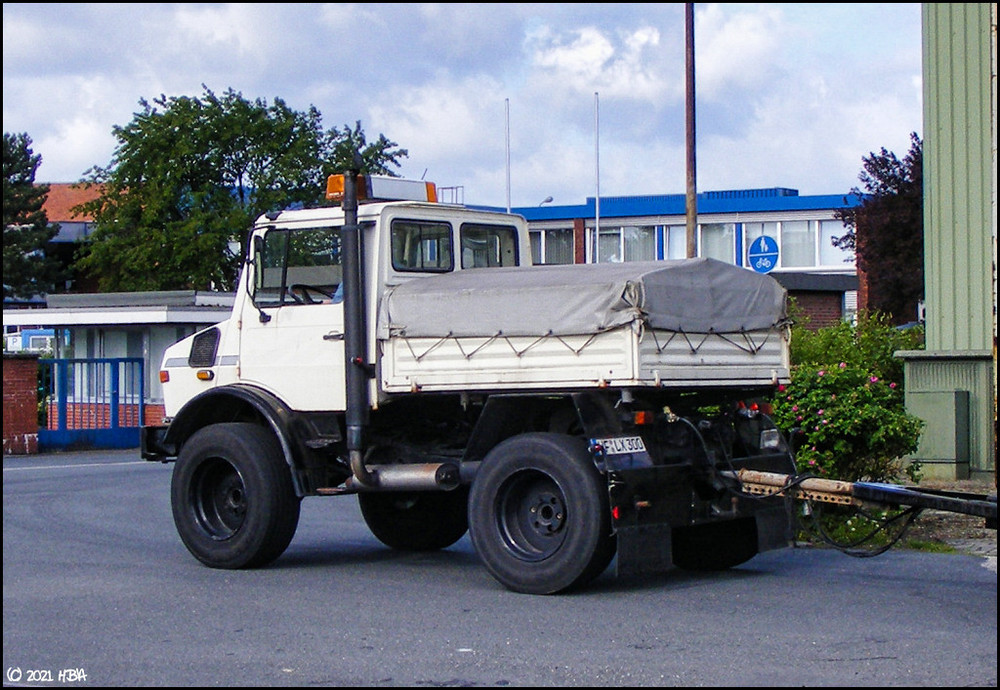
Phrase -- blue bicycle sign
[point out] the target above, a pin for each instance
(763, 254)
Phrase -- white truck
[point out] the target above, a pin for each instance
(407, 352)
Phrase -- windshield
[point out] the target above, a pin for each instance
(299, 266)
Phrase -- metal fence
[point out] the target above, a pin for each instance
(90, 403)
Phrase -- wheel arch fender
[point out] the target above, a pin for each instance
(239, 402)
(507, 415)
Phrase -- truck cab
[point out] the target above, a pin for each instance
(289, 303)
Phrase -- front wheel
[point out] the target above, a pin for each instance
(539, 516)
(233, 500)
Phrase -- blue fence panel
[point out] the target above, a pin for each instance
(91, 403)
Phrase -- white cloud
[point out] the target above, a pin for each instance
(789, 95)
(737, 49)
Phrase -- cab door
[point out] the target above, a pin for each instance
(292, 341)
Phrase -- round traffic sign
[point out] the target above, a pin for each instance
(763, 254)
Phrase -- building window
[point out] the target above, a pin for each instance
(640, 243)
(627, 243)
(718, 241)
(552, 246)
(675, 242)
(830, 255)
(609, 245)
(40, 343)
(797, 244)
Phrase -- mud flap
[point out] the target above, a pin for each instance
(775, 527)
(644, 550)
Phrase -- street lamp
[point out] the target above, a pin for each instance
(546, 200)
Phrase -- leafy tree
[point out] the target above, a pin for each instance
(375, 157)
(886, 231)
(27, 271)
(190, 174)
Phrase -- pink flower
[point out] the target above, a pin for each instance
(873, 379)
(795, 408)
(820, 413)
(843, 365)
(820, 372)
(892, 385)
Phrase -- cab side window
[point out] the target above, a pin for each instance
(486, 246)
(424, 246)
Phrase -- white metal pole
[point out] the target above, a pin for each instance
(597, 177)
(507, 134)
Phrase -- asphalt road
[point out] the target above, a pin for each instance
(99, 590)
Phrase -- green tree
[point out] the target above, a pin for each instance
(27, 271)
(376, 157)
(886, 231)
(188, 177)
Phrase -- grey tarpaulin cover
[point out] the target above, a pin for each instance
(690, 295)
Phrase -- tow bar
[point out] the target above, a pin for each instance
(862, 495)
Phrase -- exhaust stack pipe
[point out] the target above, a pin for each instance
(356, 367)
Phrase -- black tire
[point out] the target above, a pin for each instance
(539, 515)
(416, 520)
(233, 500)
(715, 545)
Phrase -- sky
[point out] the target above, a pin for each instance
(508, 103)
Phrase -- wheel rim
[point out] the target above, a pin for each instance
(531, 516)
(219, 498)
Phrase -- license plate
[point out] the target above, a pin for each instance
(622, 445)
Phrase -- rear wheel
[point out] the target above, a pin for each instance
(539, 516)
(416, 520)
(233, 501)
(715, 545)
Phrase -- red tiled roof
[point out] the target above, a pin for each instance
(63, 197)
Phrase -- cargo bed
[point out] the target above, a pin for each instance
(692, 323)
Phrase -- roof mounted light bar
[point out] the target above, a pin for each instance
(380, 188)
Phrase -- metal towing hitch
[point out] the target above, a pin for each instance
(859, 493)
(859, 496)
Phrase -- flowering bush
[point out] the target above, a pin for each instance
(846, 422)
(869, 344)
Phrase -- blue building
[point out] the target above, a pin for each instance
(767, 230)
